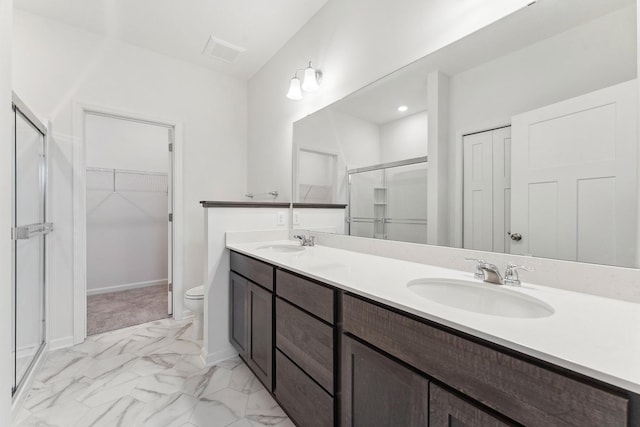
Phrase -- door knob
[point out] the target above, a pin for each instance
(516, 237)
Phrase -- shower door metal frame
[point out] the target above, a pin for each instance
(26, 232)
(383, 167)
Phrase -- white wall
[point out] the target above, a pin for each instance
(218, 223)
(127, 233)
(6, 176)
(546, 72)
(57, 65)
(404, 138)
(354, 42)
(125, 144)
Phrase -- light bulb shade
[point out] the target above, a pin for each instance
(310, 82)
(295, 92)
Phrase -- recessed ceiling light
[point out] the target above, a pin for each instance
(403, 108)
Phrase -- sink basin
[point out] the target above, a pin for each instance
(281, 248)
(480, 298)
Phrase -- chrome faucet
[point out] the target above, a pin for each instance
(305, 240)
(491, 274)
(511, 274)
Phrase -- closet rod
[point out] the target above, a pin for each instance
(128, 171)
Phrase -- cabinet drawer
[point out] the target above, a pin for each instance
(254, 270)
(304, 400)
(525, 392)
(313, 297)
(307, 341)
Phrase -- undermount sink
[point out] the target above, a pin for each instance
(480, 298)
(281, 248)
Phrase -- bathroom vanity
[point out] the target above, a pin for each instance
(339, 340)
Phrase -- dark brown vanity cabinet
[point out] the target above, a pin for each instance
(251, 307)
(527, 393)
(260, 348)
(338, 359)
(305, 349)
(448, 410)
(377, 391)
(238, 295)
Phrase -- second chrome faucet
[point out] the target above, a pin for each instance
(305, 240)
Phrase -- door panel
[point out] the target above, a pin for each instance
(378, 391)
(478, 188)
(501, 189)
(239, 313)
(574, 175)
(261, 333)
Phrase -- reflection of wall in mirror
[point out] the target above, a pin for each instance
(356, 143)
(569, 64)
(404, 138)
(353, 140)
(566, 65)
(316, 176)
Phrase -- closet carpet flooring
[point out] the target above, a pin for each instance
(117, 310)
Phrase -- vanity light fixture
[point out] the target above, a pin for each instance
(310, 82)
(295, 88)
(403, 108)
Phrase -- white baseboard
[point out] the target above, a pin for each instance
(210, 359)
(27, 351)
(126, 286)
(61, 343)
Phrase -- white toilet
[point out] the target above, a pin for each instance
(194, 301)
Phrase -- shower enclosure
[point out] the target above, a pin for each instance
(389, 201)
(29, 240)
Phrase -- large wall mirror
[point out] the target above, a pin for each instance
(520, 138)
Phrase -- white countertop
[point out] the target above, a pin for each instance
(595, 336)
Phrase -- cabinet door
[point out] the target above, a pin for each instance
(239, 314)
(260, 356)
(447, 410)
(377, 391)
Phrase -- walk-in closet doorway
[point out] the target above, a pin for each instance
(125, 203)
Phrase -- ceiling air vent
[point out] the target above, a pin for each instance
(222, 50)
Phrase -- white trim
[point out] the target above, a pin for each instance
(25, 388)
(210, 359)
(79, 210)
(126, 286)
(63, 342)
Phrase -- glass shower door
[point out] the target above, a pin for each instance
(367, 204)
(29, 233)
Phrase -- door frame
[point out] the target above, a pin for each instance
(80, 110)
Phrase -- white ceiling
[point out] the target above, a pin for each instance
(181, 28)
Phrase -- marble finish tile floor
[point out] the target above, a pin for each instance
(148, 375)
